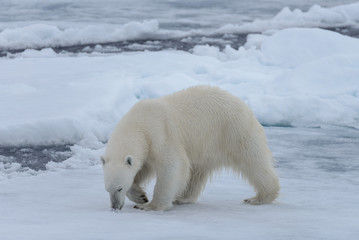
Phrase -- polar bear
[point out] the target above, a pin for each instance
(182, 139)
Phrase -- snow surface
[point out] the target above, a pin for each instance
(302, 84)
(318, 200)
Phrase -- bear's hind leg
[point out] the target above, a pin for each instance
(261, 175)
(266, 183)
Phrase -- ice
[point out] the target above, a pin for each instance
(45, 35)
(52, 100)
(59, 99)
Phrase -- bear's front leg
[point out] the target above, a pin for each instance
(136, 194)
(172, 178)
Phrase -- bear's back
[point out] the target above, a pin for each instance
(210, 121)
(199, 109)
(205, 104)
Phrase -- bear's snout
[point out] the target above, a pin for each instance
(117, 201)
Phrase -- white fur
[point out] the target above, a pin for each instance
(182, 139)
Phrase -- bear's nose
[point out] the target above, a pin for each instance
(116, 204)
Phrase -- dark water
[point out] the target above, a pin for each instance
(172, 14)
(183, 44)
(35, 157)
(332, 151)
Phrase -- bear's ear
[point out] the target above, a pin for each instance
(129, 160)
(103, 160)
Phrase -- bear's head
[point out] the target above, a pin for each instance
(126, 151)
(119, 175)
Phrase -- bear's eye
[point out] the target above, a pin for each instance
(128, 160)
(119, 189)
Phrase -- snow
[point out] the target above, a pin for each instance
(290, 48)
(302, 83)
(318, 200)
(58, 99)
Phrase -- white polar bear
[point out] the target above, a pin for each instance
(182, 139)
